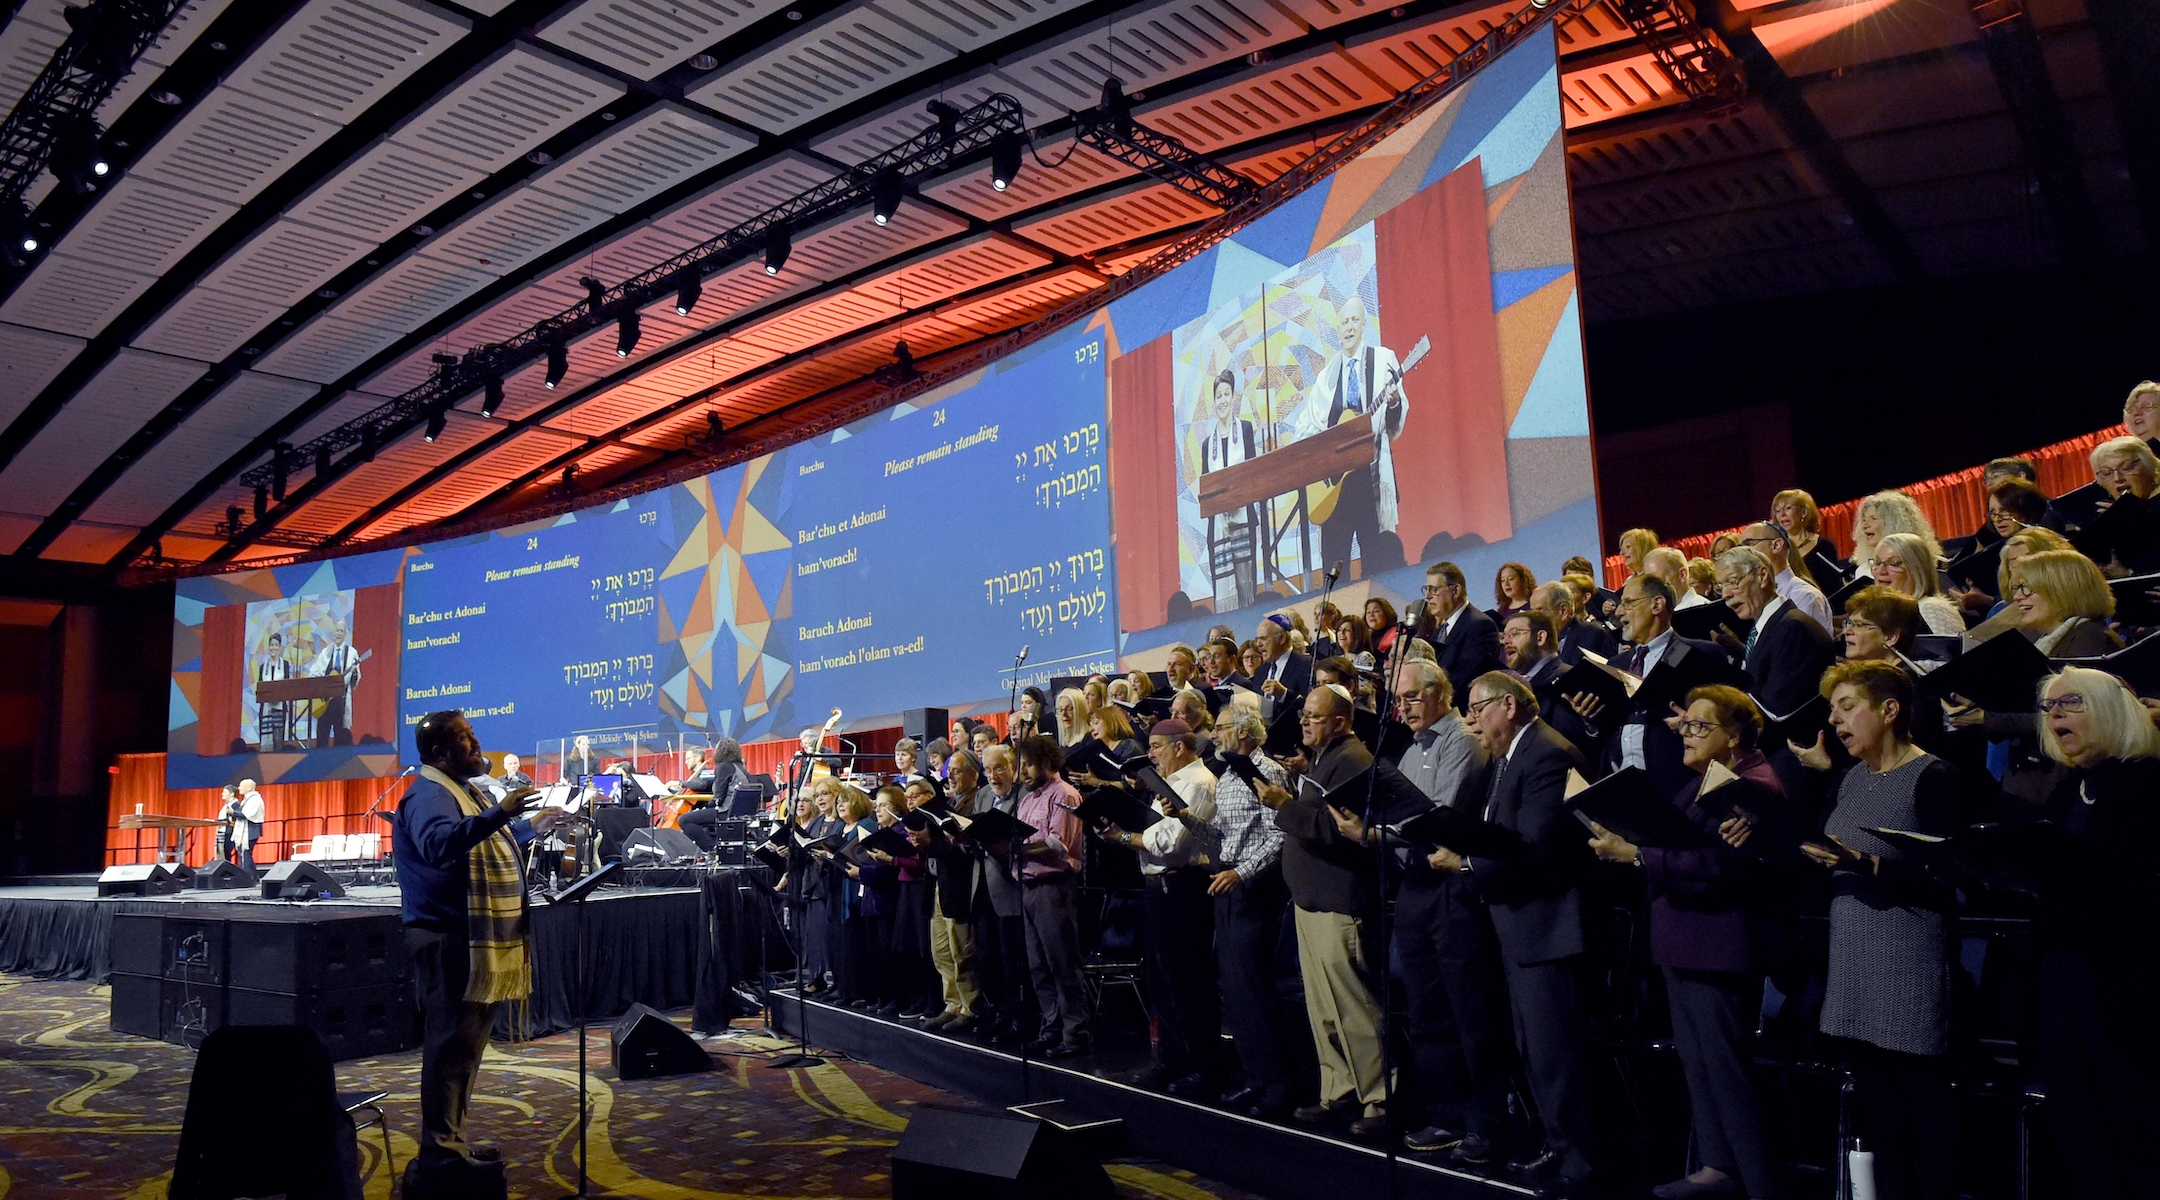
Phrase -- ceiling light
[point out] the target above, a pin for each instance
(885, 195)
(166, 98)
(539, 158)
(423, 231)
(322, 461)
(279, 469)
(78, 158)
(493, 398)
(435, 423)
(17, 241)
(595, 293)
(703, 62)
(626, 335)
(262, 500)
(558, 365)
(686, 297)
(1004, 161)
(777, 246)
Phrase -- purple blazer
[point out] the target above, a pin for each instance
(1700, 918)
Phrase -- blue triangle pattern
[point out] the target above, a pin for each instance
(1487, 110)
(1556, 404)
(1510, 286)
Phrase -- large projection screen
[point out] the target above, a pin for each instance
(1384, 372)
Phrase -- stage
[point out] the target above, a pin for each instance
(1258, 1156)
(648, 945)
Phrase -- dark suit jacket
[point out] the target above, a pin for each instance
(1558, 713)
(1536, 899)
(1296, 676)
(1791, 653)
(1662, 748)
(1470, 651)
(1582, 635)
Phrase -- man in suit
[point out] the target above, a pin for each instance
(1360, 380)
(1639, 737)
(1533, 650)
(1557, 601)
(1537, 912)
(1285, 675)
(1463, 637)
(1770, 541)
(1785, 656)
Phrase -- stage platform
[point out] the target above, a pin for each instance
(643, 944)
(1270, 1159)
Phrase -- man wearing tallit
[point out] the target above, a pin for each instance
(1360, 381)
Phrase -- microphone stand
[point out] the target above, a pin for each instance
(577, 893)
(802, 1056)
(1382, 854)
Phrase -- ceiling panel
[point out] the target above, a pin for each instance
(979, 262)
(29, 359)
(285, 262)
(505, 107)
(499, 322)
(105, 414)
(820, 321)
(1083, 228)
(228, 421)
(643, 38)
(509, 230)
(325, 348)
(206, 325)
(333, 58)
(903, 119)
(380, 192)
(406, 294)
(842, 57)
(639, 159)
(968, 24)
(471, 484)
(1315, 86)
(1051, 170)
(395, 466)
(1150, 44)
(144, 225)
(26, 45)
(73, 295)
(231, 145)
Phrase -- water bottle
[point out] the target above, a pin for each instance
(1861, 1162)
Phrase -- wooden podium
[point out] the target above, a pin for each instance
(1324, 455)
(305, 688)
(171, 832)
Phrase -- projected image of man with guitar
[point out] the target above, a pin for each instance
(1361, 381)
(337, 658)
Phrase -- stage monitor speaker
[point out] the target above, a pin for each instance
(950, 1154)
(925, 725)
(137, 879)
(222, 876)
(658, 848)
(616, 826)
(644, 1044)
(295, 879)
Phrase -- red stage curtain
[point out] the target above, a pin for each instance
(377, 626)
(1436, 281)
(1143, 482)
(294, 812)
(1953, 503)
(224, 663)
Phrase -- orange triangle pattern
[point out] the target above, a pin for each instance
(1525, 327)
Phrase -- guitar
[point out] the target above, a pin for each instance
(1320, 497)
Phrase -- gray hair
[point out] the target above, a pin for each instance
(1243, 721)
(1745, 559)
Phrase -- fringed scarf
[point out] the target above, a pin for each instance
(494, 910)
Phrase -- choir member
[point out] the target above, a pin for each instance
(1881, 515)
(2127, 470)
(1634, 544)
(1000, 935)
(1557, 602)
(1795, 584)
(958, 872)
(1512, 586)
(1534, 653)
(1902, 563)
(1670, 565)
(855, 983)
(1880, 624)
(1073, 711)
(1282, 676)
(1639, 737)
(1794, 512)
(1466, 641)
(1250, 897)
(914, 969)
(1784, 656)
(1050, 876)
(2141, 412)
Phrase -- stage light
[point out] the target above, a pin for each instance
(436, 421)
(885, 195)
(626, 335)
(234, 514)
(595, 293)
(17, 241)
(262, 500)
(946, 118)
(686, 297)
(368, 438)
(279, 469)
(1004, 161)
(322, 461)
(714, 426)
(78, 157)
(103, 52)
(777, 246)
(558, 365)
(493, 397)
(904, 357)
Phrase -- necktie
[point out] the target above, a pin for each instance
(1750, 650)
(1350, 386)
(1492, 790)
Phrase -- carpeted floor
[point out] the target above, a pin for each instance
(86, 1112)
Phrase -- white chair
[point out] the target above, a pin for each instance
(319, 849)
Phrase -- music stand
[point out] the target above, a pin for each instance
(576, 894)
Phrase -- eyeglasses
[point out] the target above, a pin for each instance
(1760, 541)
(1477, 706)
(1312, 719)
(2020, 590)
(1695, 728)
(1858, 623)
(2121, 472)
(1434, 589)
(2071, 703)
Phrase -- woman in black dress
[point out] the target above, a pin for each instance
(2099, 904)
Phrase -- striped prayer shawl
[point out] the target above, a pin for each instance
(494, 909)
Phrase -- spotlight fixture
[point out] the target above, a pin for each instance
(322, 461)
(493, 398)
(436, 421)
(686, 297)
(280, 467)
(1004, 161)
(17, 240)
(262, 500)
(595, 292)
(703, 62)
(369, 435)
(885, 195)
(558, 365)
(947, 119)
(104, 48)
(715, 428)
(78, 156)
(904, 357)
(777, 247)
(626, 335)
(234, 515)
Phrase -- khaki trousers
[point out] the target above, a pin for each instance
(952, 949)
(1345, 1021)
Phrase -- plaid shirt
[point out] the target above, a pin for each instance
(1250, 840)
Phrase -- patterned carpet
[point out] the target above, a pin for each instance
(86, 1112)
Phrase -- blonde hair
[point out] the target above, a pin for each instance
(1635, 543)
(2069, 582)
(2033, 539)
(1898, 514)
(2144, 389)
(1082, 707)
(1919, 566)
(1803, 504)
(2119, 726)
(2131, 445)
(1701, 571)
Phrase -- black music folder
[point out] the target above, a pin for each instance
(1670, 681)
(1245, 768)
(1381, 793)
(994, 825)
(890, 840)
(771, 857)
(2134, 602)
(1109, 806)
(1625, 803)
(1800, 725)
(2076, 508)
(2001, 674)
(1702, 621)
(1457, 830)
(2137, 664)
(1612, 686)
(2127, 531)
(930, 816)
(1852, 588)
(1724, 795)
(1980, 568)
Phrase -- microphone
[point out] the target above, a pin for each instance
(1334, 573)
(1023, 655)
(1414, 615)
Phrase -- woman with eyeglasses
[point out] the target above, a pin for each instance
(1883, 514)
(2099, 905)
(1903, 562)
(1886, 999)
(1706, 929)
